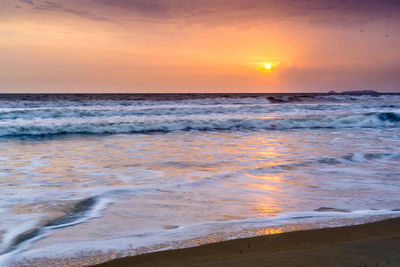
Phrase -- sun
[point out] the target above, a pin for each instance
(268, 66)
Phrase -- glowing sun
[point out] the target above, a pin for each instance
(267, 66)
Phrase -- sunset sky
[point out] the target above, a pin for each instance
(162, 46)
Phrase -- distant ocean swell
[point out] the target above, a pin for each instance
(177, 109)
(39, 99)
(160, 124)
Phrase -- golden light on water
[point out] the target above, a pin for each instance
(270, 231)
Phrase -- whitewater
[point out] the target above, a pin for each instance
(88, 178)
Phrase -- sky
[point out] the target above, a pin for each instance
(196, 46)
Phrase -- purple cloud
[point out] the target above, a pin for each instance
(30, 2)
(317, 12)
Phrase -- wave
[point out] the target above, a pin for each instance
(39, 99)
(165, 124)
(123, 111)
(326, 161)
(180, 110)
(203, 233)
(82, 211)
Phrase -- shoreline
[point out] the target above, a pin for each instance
(371, 244)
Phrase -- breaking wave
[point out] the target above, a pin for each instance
(165, 124)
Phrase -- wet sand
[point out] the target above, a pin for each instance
(372, 244)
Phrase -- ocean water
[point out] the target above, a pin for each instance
(86, 178)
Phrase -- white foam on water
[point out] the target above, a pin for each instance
(12, 251)
(193, 235)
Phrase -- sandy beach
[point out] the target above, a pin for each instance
(372, 244)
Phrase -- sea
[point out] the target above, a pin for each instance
(85, 178)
